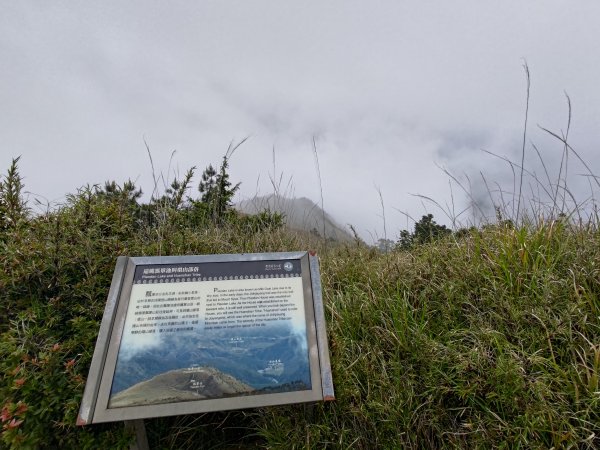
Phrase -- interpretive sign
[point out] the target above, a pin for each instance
(189, 334)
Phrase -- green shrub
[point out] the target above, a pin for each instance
(489, 338)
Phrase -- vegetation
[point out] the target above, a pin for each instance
(485, 338)
(426, 231)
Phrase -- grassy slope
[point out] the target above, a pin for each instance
(492, 340)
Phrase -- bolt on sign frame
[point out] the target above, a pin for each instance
(192, 334)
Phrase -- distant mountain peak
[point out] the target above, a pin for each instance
(300, 214)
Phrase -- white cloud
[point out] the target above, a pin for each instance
(388, 88)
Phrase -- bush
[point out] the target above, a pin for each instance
(487, 339)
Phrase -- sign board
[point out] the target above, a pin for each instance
(191, 334)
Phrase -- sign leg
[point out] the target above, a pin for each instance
(141, 440)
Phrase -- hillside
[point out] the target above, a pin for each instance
(480, 338)
(301, 214)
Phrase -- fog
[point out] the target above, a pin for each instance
(392, 94)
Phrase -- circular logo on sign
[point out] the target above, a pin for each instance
(288, 266)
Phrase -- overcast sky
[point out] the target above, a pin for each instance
(389, 89)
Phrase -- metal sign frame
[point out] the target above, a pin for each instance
(95, 403)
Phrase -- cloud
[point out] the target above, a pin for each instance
(388, 89)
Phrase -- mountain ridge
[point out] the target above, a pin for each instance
(300, 214)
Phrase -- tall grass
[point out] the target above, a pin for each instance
(487, 341)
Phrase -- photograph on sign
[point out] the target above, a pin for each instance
(208, 333)
(212, 330)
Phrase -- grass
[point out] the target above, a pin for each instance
(485, 339)
(470, 343)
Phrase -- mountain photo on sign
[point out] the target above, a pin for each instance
(202, 339)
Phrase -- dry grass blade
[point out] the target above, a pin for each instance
(572, 150)
(318, 169)
(519, 197)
